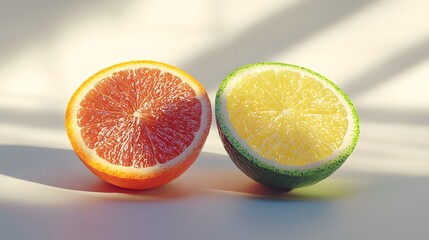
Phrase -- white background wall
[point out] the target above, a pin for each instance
(377, 51)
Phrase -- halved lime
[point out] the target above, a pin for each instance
(283, 125)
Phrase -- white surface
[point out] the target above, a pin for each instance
(377, 51)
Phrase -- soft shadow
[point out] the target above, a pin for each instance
(383, 115)
(327, 189)
(40, 118)
(381, 73)
(278, 32)
(216, 172)
(49, 166)
(61, 168)
(24, 22)
(212, 173)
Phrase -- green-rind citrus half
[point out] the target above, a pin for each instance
(271, 169)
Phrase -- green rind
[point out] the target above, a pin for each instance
(268, 174)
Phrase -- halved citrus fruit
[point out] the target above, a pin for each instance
(139, 124)
(283, 125)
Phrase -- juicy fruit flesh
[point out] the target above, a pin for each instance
(139, 117)
(287, 117)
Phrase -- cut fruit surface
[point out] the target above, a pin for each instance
(284, 125)
(139, 124)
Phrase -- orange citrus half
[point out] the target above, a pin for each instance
(139, 124)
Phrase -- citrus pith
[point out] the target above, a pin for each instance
(283, 125)
(139, 124)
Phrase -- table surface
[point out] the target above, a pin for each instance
(377, 51)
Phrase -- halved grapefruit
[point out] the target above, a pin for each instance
(139, 124)
(283, 125)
